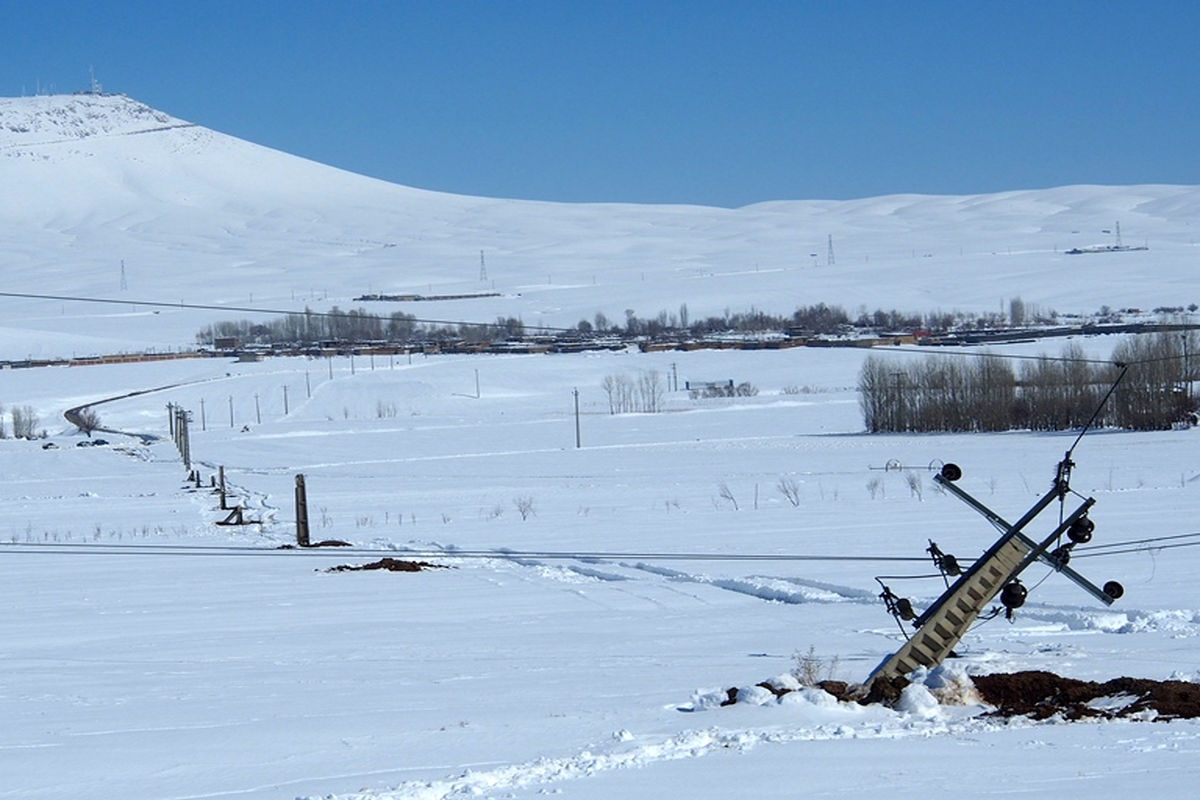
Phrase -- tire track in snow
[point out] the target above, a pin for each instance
(1179, 623)
(790, 590)
(794, 591)
(799, 591)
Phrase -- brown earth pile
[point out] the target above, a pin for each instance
(389, 564)
(1041, 695)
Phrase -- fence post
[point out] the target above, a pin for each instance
(301, 512)
(221, 482)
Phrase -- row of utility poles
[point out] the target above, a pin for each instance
(175, 411)
(179, 418)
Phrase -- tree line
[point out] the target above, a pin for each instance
(360, 325)
(356, 325)
(942, 393)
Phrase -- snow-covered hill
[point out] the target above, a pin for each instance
(105, 192)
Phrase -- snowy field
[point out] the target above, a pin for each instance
(594, 599)
(152, 654)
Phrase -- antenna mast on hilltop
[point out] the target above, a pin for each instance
(94, 85)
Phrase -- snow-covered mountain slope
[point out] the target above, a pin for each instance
(104, 192)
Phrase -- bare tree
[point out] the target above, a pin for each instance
(789, 487)
(1016, 311)
(650, 392)
(626, 395)
(87, 420)
(24, 422)
(727, 494)
(915, 487)
(874, 487)
(1156, 391)
(609, 384)
(524, 506)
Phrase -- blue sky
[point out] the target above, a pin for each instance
(715, 103)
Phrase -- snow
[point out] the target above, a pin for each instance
(197, 216)
(148, 653)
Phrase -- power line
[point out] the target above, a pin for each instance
(58, 548)
(45, 548)
(1142, 549)
(1148, 540)
(1141, 546)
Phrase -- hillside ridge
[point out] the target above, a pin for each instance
(114, 195)
(30, 120)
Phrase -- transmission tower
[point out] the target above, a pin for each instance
(829, 260)
(482, 269)
(124, 283)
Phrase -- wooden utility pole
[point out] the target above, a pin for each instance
(578, 441)
(301, 512)
(181, 437)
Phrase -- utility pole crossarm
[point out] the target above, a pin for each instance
(1036, 551)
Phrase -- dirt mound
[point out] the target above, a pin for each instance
(1040, 695)
(389, 564)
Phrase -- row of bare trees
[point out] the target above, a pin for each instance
(355, 325)
(1156, 392)
(1046, 393)
(643, 394)
(25, 423)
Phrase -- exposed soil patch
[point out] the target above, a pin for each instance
(1041, 695)
(389, 564)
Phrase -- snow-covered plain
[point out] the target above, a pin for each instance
(149, 653)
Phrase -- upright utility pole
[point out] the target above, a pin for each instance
(181, 437)
(301, 512)
(578, 440)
